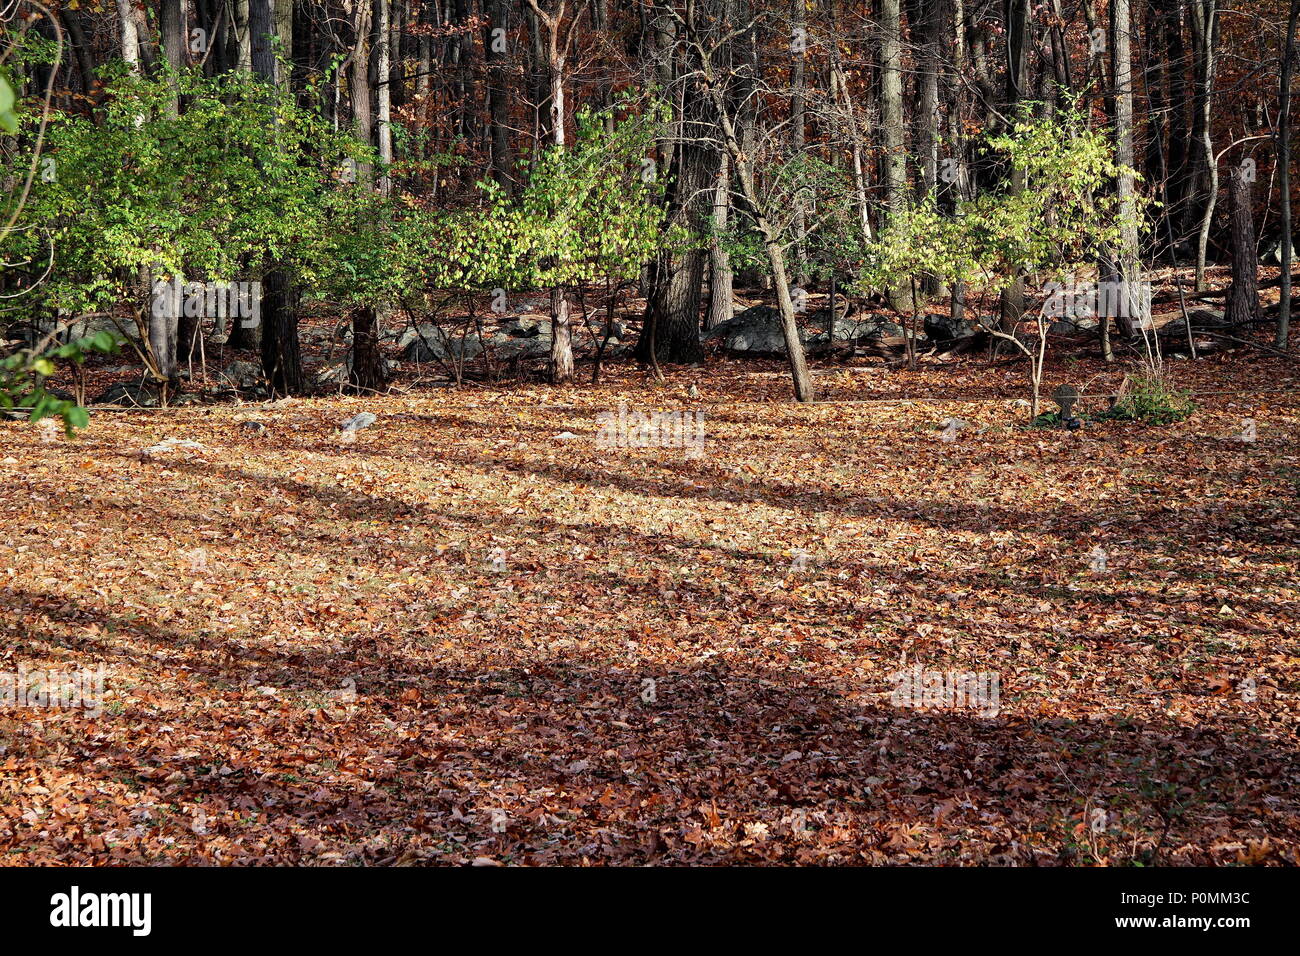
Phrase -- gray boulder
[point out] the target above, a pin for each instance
(944, 329)
(242, 374)
(128, 394)
(433, 348)
(756, 329)
(534, 347)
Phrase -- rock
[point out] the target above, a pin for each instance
(358, 421)
(335, 373)
(1072, 325)
(944, 328)
(242, 374)
(128, 394)
(1274, 253)
(1210, 317)
(185, 446)
(822, 317)
(756, 329)
(525, 327)
(533, 306)
(432, 347)
(78, 330)
(537, 347)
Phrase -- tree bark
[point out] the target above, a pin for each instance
(1204, 21)
(1127, 259)
(720, 276)
(173, 33)
(891, 119)
(367, 372)
(1019, 42)
(1242, 305)
(1283, 331)
(503, 164)
(383, 38)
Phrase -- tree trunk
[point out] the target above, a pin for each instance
(561, 338)
(1282, 334)
(1019, 42)
(561, 364)
(173, 33)
(278, 331)
(503, 164)
(1122, 79)
(72, 23)
(130, 38)
(383, 38)
(673, 305)
(243, 39)
(798, 118)
(1204, 21)
(367, 372)
(281, 357)
(891, 119)
(720, 277)
(1242, 305)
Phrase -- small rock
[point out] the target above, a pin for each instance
(174, 444)
(359, 421)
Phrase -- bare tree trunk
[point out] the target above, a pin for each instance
(1242, 305)
(1019, 42)
(283, 14)
(673, 303)
(1204, 20)
(720, 277)
(927, 145)
(367, 372)
(1283, 333)
(243, 40)
(798, 119)
(383, 38)
(278, 332)
(494, 46)
(561, 363)
(840, 86)
(1122, 79)
(555, 45)
(173, 33)
(72, 23)
(891, 118)
(130, 38)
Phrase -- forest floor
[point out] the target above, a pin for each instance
(471, 634)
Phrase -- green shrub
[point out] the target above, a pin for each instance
(1149, 398)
